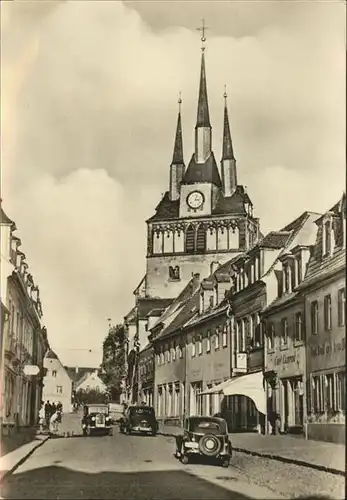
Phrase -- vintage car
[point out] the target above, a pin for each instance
(139, 418)
(96, 420)
(204, 436)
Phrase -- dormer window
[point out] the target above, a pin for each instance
(202, 302)
(211, 300)
(327, 243)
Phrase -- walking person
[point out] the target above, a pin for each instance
(47, 412)
(54, 422)
(42, 417)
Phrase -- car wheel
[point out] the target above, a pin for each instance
(154, 433)
(225, 462)
(184, 459)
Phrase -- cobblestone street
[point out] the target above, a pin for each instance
(143, 467)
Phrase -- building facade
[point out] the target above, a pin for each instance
(324, 292)
(57, 385)
(24, 341)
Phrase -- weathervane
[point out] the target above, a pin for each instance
(202, 28)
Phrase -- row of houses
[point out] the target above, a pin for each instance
(24, 339)
(227, 319)
(274, 315)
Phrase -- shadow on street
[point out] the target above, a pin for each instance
(59, 482)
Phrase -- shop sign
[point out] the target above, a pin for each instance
(284, 359)
(328, 348)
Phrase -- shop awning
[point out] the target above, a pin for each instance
(250, 385)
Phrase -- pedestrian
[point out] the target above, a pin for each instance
(42, 417)
(60, 407)
(53, 408)
(47, 412)
(54, 423)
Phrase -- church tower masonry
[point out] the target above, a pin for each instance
(205, 217)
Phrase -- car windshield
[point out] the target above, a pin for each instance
(141, 411)
(98, 409)
(203, 426)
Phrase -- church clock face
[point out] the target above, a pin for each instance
(195, 199)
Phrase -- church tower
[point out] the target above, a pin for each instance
(204, 217)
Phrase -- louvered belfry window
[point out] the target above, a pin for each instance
(190, 240)
(201, 239)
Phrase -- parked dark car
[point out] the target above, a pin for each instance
(139, 419)
(96, 420)
(204, 436)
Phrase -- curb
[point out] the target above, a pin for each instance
(23, 459)
(279, 458)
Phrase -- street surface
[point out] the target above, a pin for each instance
(143, 467)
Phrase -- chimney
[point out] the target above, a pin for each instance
(76, 370)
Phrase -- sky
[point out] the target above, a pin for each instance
(89, 95)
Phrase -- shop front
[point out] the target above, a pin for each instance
(285, 394)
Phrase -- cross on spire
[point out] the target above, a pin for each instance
(179, 100)
(202, 29)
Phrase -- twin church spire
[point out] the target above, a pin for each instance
(203, 140)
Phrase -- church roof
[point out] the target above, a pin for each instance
(4, 219)
(234, 204)
(178, 146)
(203, 115)
(228, 152)
(202, 172)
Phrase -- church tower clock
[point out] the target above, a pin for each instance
(204, 217)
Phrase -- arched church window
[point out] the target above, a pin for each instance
(201, 239)
(190, 239)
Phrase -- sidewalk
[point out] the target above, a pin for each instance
(318, 455)
(10, 461)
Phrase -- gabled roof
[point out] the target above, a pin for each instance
(177, 305)
(85, 377)
(145, 305)
(166, 209)
(275, 239)
(188, 310)
(82, 371)
(202, 172)
(51, 354)
(131, 316)
(4, 219)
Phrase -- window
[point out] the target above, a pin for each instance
(284, 331)
(286, 278)
(270, 336)
(180, 352)
(168, 354)
(190, 240)
(225, 336)
(193, 348)
(216, 339)
(327, 312)
(316, 395)
(299, 268)
(298, 327)
(174, 352)
(54, 373)
(341, 306)
(327, 238)
(241, 336)
(341, 391)
(162, 358)
(60, 389)
(211, 301)
(208, 342)
(201, 239)
(330, 392)
(314, 318)
(174, 273)
(200, 346)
